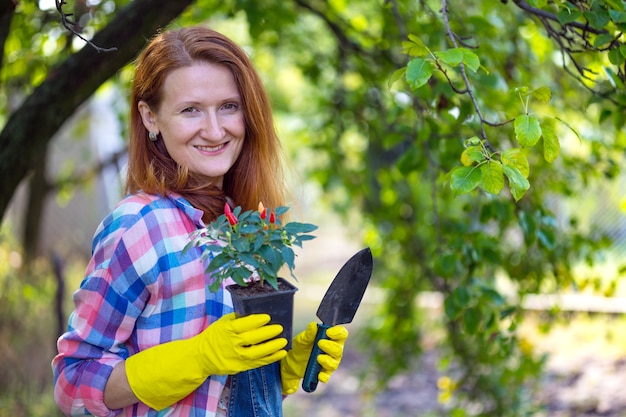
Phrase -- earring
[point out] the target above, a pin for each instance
(153, 136)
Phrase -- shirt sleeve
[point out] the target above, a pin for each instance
(107, 305)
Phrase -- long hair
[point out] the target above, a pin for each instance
(257, 173)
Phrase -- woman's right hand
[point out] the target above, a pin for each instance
(232, 345)
(165, 374)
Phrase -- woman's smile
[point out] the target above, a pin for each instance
(211, 149)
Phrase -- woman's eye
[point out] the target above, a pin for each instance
(230, 106)
(188, 110)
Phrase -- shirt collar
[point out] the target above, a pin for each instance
(193, 213)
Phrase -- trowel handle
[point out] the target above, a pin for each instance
(313, 368)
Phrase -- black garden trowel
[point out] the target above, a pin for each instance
(339, 305)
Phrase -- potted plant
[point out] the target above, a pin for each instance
(251, 248)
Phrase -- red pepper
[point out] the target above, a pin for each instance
(229, 215)
(231, 219)
(272, 217)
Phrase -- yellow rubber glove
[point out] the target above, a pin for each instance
(164, 374)
(293, 366)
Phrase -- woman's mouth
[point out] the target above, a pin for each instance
(210, 148)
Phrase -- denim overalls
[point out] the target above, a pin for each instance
(256, 393)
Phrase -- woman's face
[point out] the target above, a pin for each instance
(200, 119)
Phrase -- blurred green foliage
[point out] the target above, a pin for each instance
(454, 192)
(28, 332)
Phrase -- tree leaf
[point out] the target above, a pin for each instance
(452, 57)
(603, 39)
(516, 157)
(414, 47)
(569, 127)
(472, 154)
(492, 175)
(418, 72)
(517, 182)
(397, 75)
(566, 16)
(464, 179)
(471, 60)
(617, 16)
(542, 94)
(527, 130)
(551, 145)
(616, 57)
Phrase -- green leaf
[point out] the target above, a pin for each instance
(618, 16)
(250, 260)
(297, 228)
(414, 47)
(217, 262)
(289, 256)
(527, 130)
(602, 39)
(418, 72)
(615, 5)
(396, 76)
(471, 155)
(241, 245)
(569, 127)
(517, 182)
(240, 275)
(464, 179)
(551, 145)
(471, 320)
(492, 175)
(452, 57)
(473, 141)
(471, 60)
(542, 94)
(515, 157)
(597, 19)
(616, 57)
(566, 16)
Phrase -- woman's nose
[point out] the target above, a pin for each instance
(213, 127)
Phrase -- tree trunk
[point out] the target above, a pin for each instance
(30, 127)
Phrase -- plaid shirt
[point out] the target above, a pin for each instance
(139, 291)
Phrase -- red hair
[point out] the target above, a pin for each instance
(256, 175)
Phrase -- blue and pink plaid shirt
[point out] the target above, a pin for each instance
(139, 291)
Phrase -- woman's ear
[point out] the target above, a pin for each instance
(148, 117)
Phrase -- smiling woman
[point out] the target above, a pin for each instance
(147, 334)
(175, 94)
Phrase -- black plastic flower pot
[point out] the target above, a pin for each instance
(278, 304)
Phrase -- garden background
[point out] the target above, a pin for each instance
(477, 147)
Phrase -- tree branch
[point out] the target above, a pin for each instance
(72, 83)
(71, 25)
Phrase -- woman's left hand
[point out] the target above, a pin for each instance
(293, 366)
